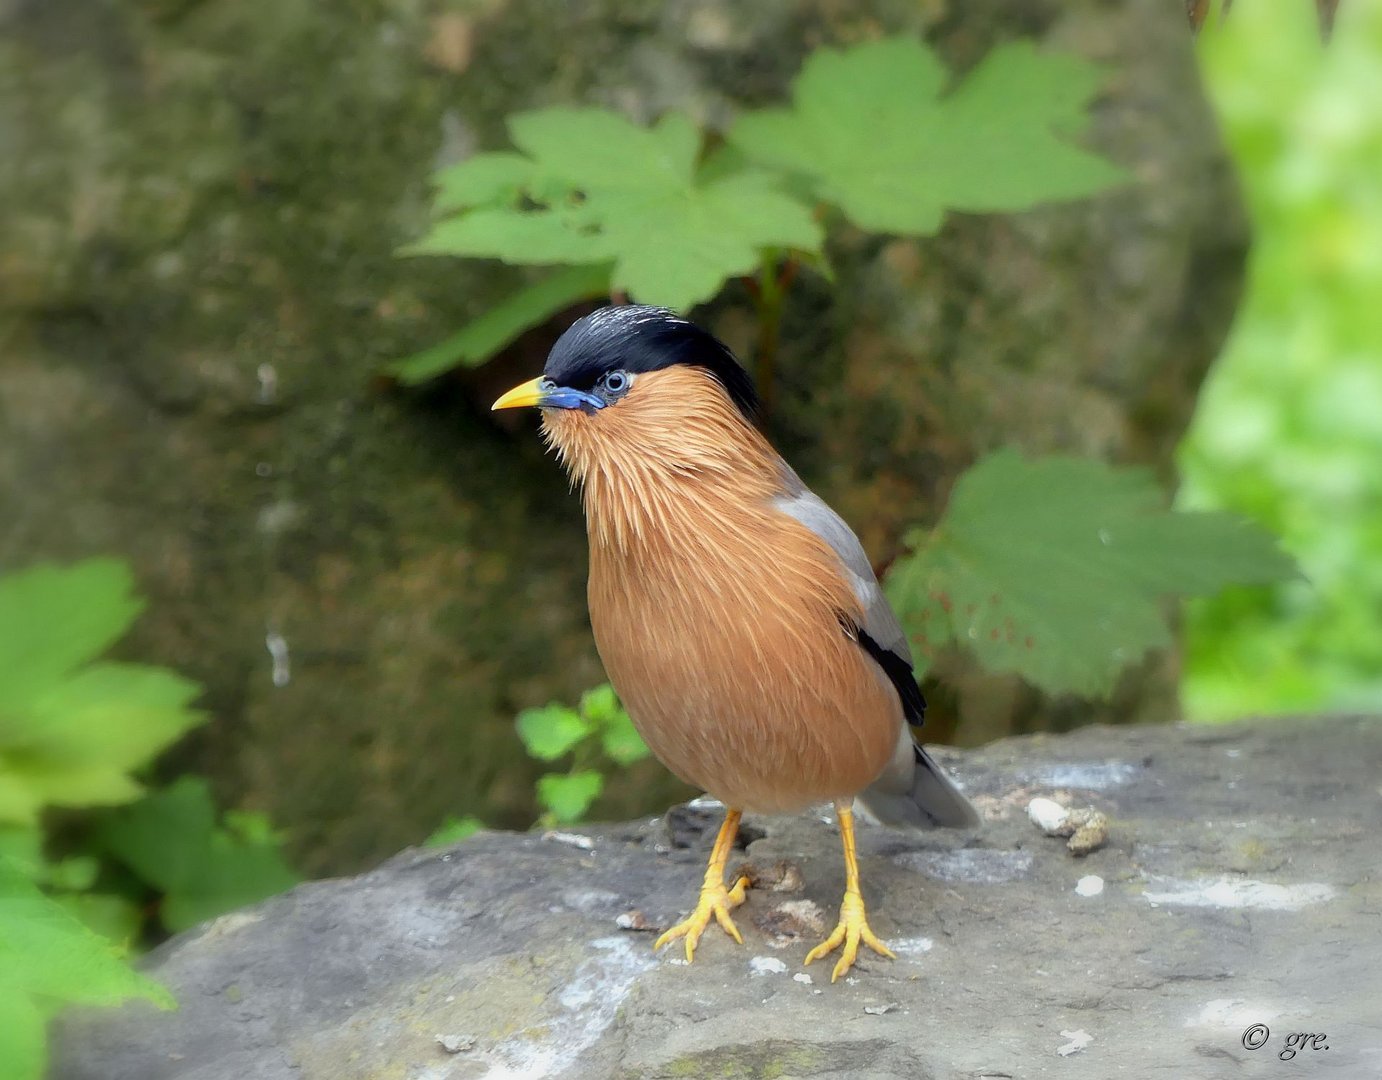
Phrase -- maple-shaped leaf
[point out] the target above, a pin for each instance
(591, 187)
(876, 132)
(1057, 569)
(72, 730)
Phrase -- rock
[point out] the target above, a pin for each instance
(1242, 889)
(206, 198)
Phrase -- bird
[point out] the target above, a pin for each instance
(736, 614)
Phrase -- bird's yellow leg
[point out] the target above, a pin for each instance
(853, 926)
(715, 899)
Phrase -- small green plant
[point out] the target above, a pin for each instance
(667, 215)
(596, 737)
(598, 732)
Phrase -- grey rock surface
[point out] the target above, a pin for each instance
(200, 207)
(1240, 887)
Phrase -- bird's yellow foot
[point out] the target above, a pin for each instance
(851, 930)
(715, 901)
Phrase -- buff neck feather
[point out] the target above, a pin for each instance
(671, 460)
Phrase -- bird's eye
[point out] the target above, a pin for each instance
(616, 382)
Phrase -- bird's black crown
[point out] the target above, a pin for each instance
(635, 338)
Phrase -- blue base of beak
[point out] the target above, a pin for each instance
(563, 397)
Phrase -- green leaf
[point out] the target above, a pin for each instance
(1055, 569)
(481, 179)
(552, 730)
(54, 619)
(870, 129)
(116, 918)
(702, 235)
(618, 736)
(453, 830)
(621, 740)
(171, 839)
(602, 190)
(70, 734)
(595, 149)
(561, 234)
(481, 339)
(23, 1051)
(568, 796)
(50, 956)
(23, 846)
(600, 705)
(76, 873)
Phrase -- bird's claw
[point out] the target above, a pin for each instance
(715, 901)
(852, 929)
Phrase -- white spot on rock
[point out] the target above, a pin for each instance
(802, 978)
(1089, 885)
(973, 865)
(766, 965)
(586, 1006)
(912, 946)
(1078, 1041)
(1232, 1013)
(585, 843)
(1224, 892)
(1087, 775)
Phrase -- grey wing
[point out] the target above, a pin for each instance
(879, 622)
(912, 790)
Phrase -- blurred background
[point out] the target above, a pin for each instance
(362, 583)
(1289, 424)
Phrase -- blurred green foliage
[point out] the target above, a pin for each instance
(75, 730)
(594, 738)
(1289, 427)
(198, 866)
(48, 959)
(71, 726)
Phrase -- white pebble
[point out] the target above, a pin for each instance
(1090, 885)
(1047, 815)
(802, 977)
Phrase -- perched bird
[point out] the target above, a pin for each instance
(736, 613)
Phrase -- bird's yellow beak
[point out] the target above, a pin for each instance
(521, 396)
(545, 394)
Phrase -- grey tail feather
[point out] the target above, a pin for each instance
(932, 801)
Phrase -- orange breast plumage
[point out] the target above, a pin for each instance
(722, 622)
